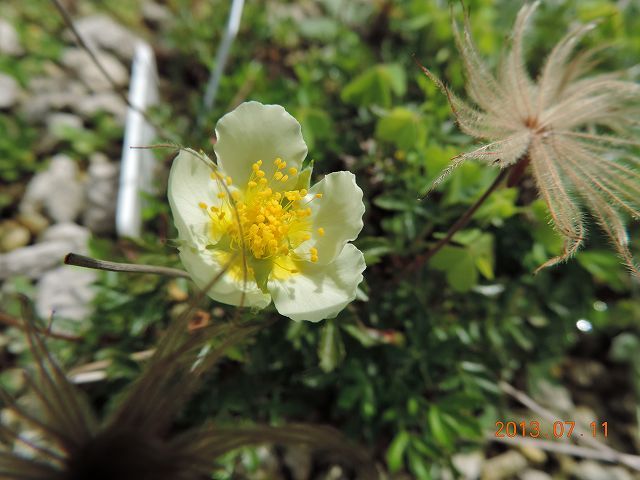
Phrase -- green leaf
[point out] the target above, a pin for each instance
(376, 86)
(331, 348)
(459, 267)
(395, 452)
(402, 127)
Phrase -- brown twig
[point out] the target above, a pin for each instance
(14, 322)
(460, 223)
(88, 262)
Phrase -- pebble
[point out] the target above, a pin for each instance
(9, 40)
(32, 261)
(9, 91)
(57, 189)
(58, 122)
(42, 101)
(88, 72)
(468, 464)
(157, 15)
(109, 102)
(504, 466)
(553, 395)
(102, 194)
(535, 455)
(298, 460)
(13, 235)
(534, 475)
(592, 470)
(101, 31)
(66, 292)
(34, 221)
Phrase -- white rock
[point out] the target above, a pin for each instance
(51, 94)
(57, 189)
(504, 466)
(59, 121)
(34, 260)
(9, 91)
(9, 41)
(534, 475)
(592, 470)
(101, 31)
(66, 292)
(83, 66)
(101, 194)
(468, 464)
(108, 102)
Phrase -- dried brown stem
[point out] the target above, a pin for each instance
(88, 262)
(461, 222)
(14, 322)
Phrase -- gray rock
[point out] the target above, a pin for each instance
(298, 460)
(34, 260)
(108, 102)
(88, 72)
(503, 466)
(468, 464)
(534, 475)
(157, 14)
(59, 121)
(101, 194)
(592, 470)
(65, 292)
(101, 31)
(9, 41)
(50, 94)
(57, 189)
(9, 91)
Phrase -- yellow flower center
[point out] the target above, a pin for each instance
(266, 223)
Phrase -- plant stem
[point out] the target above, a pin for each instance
(461, 222)
(88, 262)
(14, 322)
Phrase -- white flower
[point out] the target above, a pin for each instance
(256, 213)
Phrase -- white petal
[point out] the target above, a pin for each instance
(339, 213)
(190, 184)
(253, 132)
(203, 267)
(319, 291)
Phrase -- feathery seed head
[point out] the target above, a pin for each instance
(575, 131)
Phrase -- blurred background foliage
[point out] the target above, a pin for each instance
(411, 368)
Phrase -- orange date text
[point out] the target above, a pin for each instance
(557, 429)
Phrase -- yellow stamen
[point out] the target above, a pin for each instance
(293, 171)
(319, 195)
(202, 205)
(229, 180)
(321, 232)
